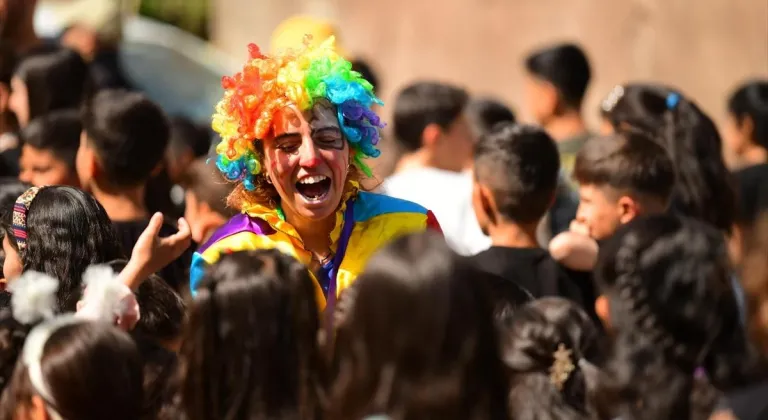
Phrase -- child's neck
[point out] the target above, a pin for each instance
(754, 155)
(566, 126)
(125, 205)
(512, 235)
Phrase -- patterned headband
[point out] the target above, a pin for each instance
(20, 210)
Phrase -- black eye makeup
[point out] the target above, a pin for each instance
(328, 138)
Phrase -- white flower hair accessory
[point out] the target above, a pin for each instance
(107, 299)
(33, 297)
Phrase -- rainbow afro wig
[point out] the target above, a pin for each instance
(298, 77)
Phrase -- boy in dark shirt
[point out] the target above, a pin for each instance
(124, 140)
(516, 177)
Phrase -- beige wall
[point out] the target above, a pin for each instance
(704, 47)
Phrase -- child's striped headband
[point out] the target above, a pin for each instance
(20, 210)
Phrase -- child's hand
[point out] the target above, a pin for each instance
(574, 250)
(579, 227)
(152, 253)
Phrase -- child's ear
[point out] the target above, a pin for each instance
(430, 135)
(602, 308)
(628, 209)
(487, 203)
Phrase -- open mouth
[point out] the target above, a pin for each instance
(314, 188)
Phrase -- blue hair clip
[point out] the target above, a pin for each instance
(672, 100)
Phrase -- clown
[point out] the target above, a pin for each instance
(296, 130)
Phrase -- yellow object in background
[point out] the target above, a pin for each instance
(290, 33)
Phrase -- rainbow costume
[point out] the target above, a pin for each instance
(364, 221)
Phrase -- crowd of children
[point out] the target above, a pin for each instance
(502, 271)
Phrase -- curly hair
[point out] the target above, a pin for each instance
(704, 189)
(67, 231)
(529, 343)
(674, 316)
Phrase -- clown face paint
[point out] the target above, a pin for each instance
(307, 161)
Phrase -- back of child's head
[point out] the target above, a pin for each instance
(250, 344)
(417, 291)
(57, 133)
(423, 103)
(566, 67)
(205, 182)
(630, 163)
(703, 187)
(188, 137)
(546, 345)
(673, 316)
(749, 103)
(54, 80)
(485, 113)
(520, 166)
(65, 231)
(129, 134)
(79, 370)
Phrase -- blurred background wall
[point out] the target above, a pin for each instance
(704, 47)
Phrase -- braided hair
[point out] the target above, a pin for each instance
(675, 319)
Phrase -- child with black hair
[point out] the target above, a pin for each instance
(484, 114)
(418, 339)
(189, 141)
(516, 177)
(206, 200)
(124, 140)
(551, 347)
(746, 135)
(58, 231)
(666, 296)
(47, 82)
(250, 342)
(558, 77)
(432, 128)
(703, 188)
(50, 144)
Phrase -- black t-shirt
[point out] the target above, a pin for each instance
(749, 403)
(175, 274)
(753, 192)
(536, 271)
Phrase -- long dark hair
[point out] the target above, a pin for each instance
(418, 340)
(704, 189)
(55, 80)
(530, 341)
(92, 370)
(675, 320)
(67, 231)
(250, 346)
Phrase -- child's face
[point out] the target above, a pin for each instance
(599, 210)
(40, 168)
(455, 145)
(737, 135)
(12, 267)
(18, 102)
(540, 98)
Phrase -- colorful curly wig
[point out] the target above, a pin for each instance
(299, 77)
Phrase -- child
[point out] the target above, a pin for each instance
(620, 177)
(431, 126)
(206, 195)
(75, 369)
(550, 346)
(47, 82)
(516, 178)
(124, 140)
(250, 343)
(558, 77)
(49, 149)
(418, 339)
(188, 142)
(58, 231)
(746, 136)
(703, 189)
(667, 298)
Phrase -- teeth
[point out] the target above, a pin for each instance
(313, 179)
